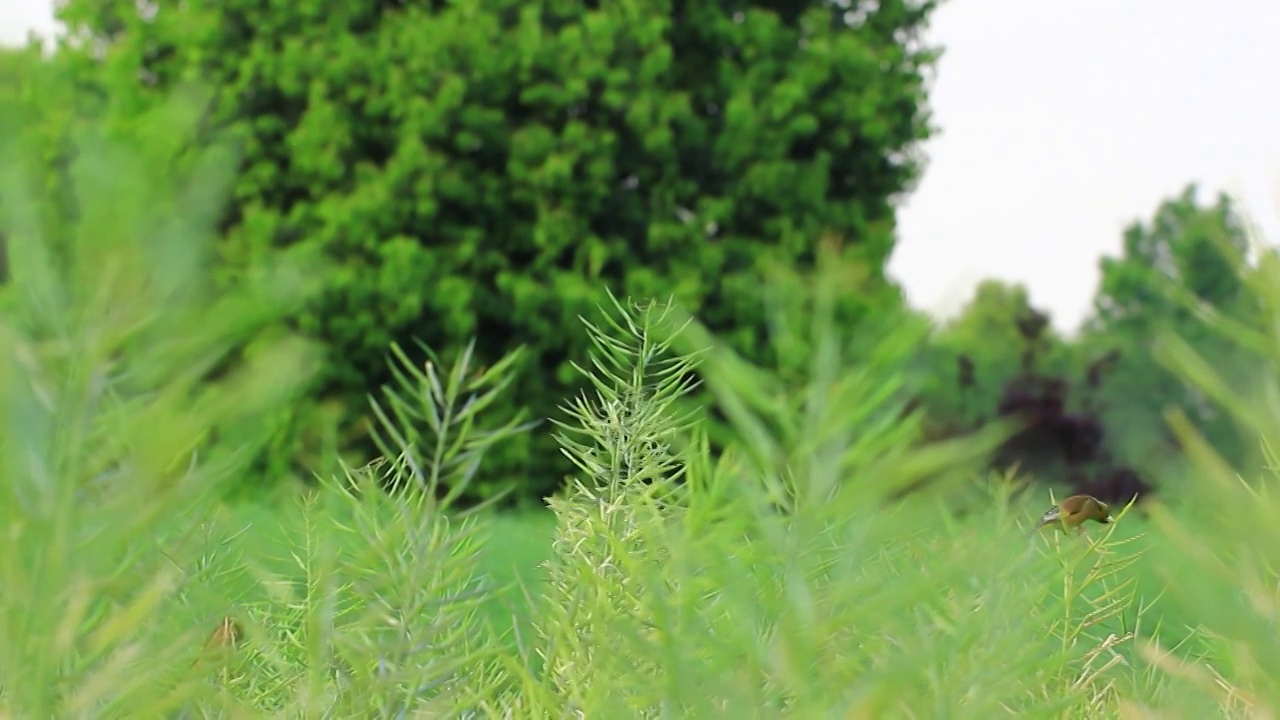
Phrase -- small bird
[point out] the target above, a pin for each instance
(225, 637)
(226, 634)
(1074, 511)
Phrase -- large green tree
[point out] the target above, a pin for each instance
(487, 168)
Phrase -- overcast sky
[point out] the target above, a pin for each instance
(1061, 123)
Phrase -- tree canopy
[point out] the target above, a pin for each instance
(486, 168)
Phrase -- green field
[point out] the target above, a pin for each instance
(516, 546)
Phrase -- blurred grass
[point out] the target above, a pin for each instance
(516, 545)
(513, 545)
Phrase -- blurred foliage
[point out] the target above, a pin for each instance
(676, 587)
(488, 169)
(972, 356)
(132, 391)
(1185, 261)
(784, 573)
(1093, 405)
(1220, 527)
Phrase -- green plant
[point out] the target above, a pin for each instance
(779, 577)
(126, 380)
(782, 573)
(1221, 533)
(1181, 262)
(134, 388)
(373, 604)
(429, 424)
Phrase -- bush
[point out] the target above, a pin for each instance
(484, 170)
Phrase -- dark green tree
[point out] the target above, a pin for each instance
(487, 168)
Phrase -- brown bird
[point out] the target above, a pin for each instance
(1074, 511)
(226, 634)
(224, 639)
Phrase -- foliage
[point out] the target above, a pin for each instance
(780, 572)
(1186, 242)
(1220, 529)
(1186, 260)
(429, 415)
(973, 356)
(486, 169)
(1000, 360)
(1093, 406)
(40, 110)
(128, 383)
(700, 599)
(134, 390)
(715, 604)
(782, 576)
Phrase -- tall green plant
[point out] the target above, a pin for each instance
(134, 390)
(370, 604)
(428, 422)
(1222, 541)
(779, 577)
(126, 382)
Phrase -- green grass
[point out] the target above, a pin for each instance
(513, 546)
(516, 546)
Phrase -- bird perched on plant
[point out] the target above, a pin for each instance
(1072, 512)
(226, 634)
(221, 642)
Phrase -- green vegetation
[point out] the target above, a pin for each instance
(482, 170)
(777, 576)
(290, 294)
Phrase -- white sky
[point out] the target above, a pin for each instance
(1064, 121)
(1061, 123)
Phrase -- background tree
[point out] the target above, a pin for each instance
(975, 354)
(1189, 254)
(1000, 359)
(486, 168)
(1094, 407)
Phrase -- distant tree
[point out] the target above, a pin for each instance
(486, 168)
(1000, 359)
(975, 354)
(1194, 247)
(1187, 254)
